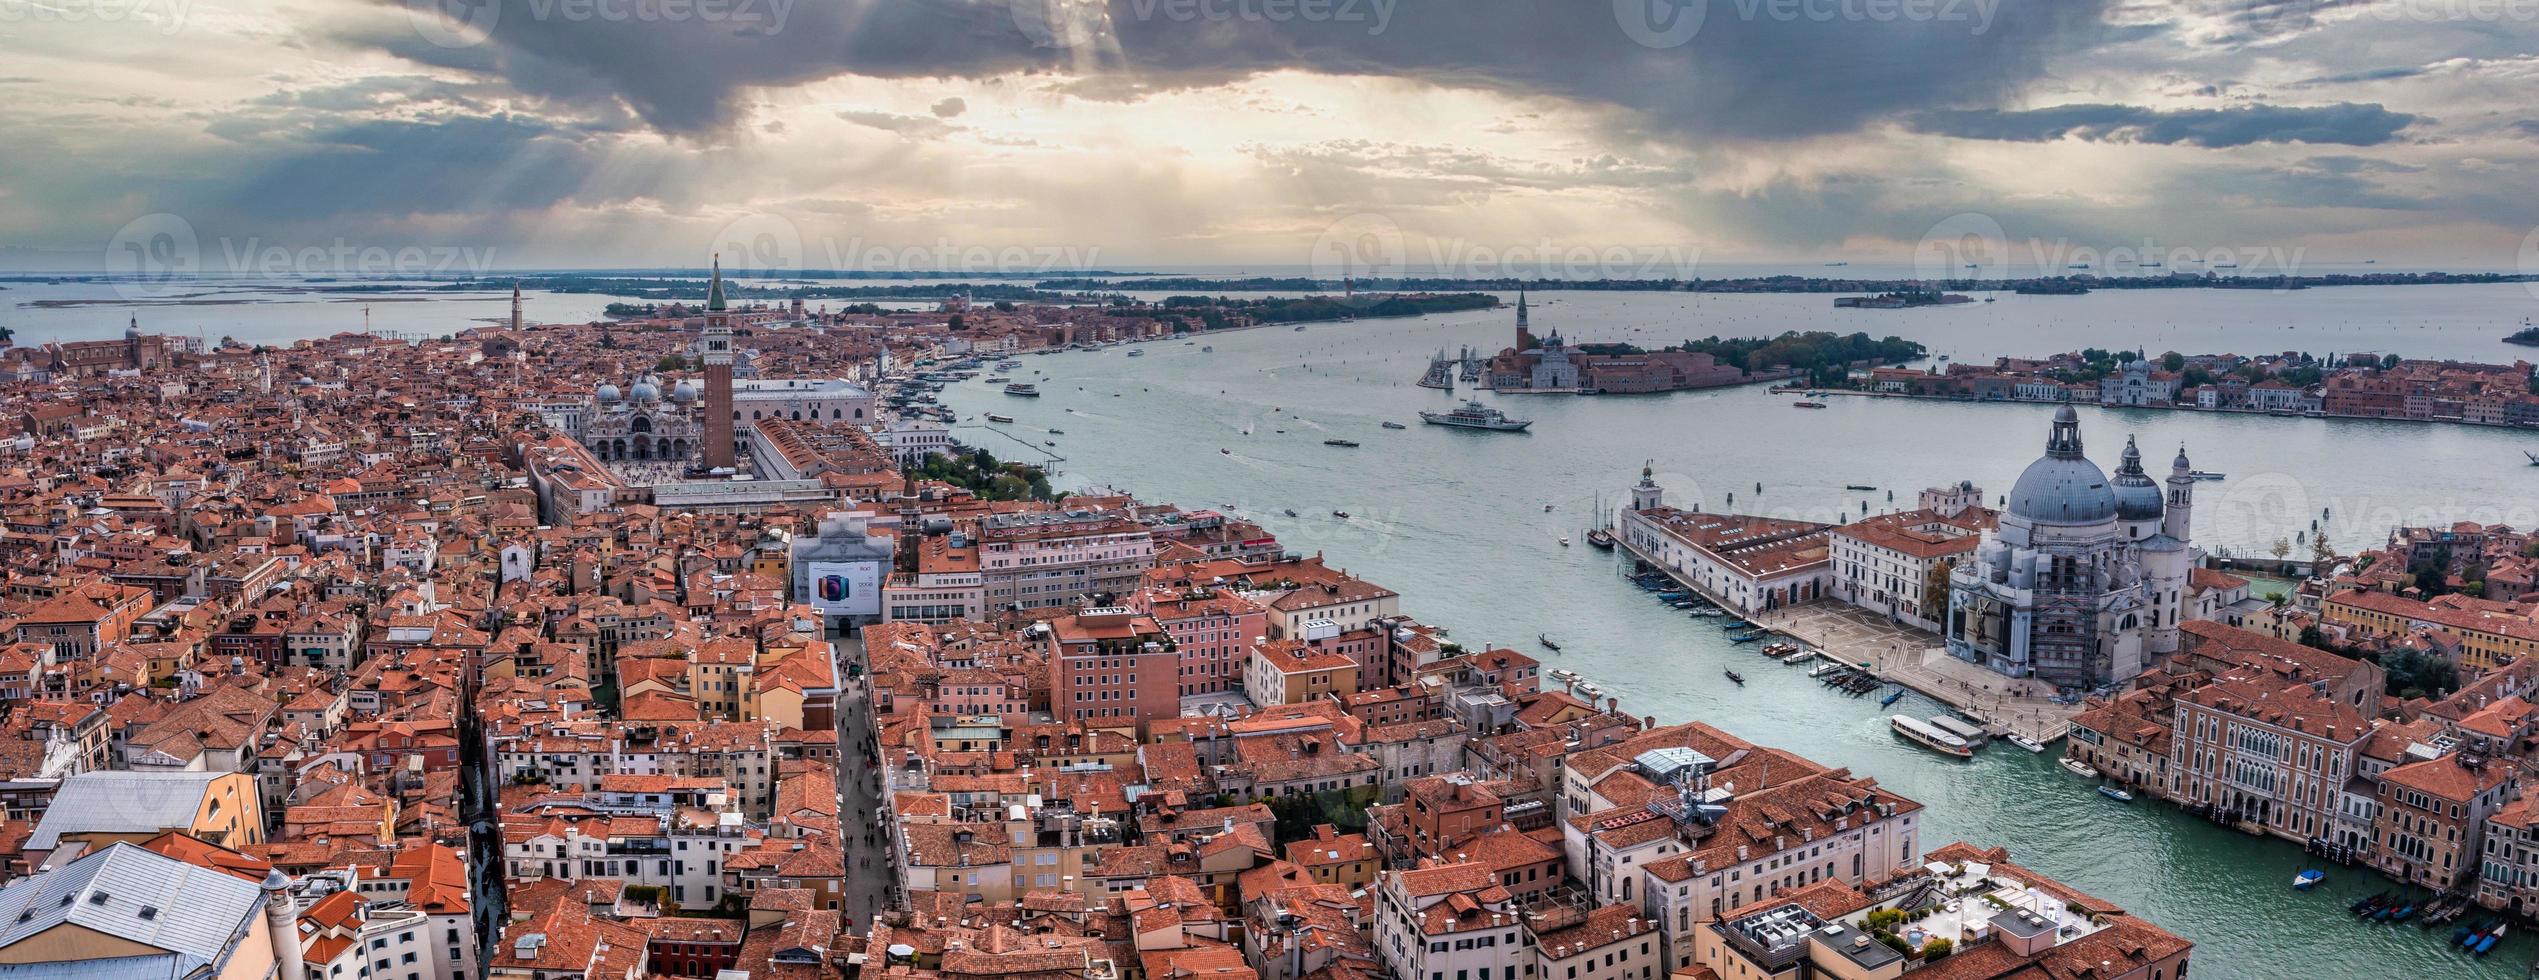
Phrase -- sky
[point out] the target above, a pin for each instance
(1477, 137)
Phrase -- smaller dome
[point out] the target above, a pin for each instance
(2137, 498)
(683, 392)
(645, 391)
(608, 392)
(2180, 463)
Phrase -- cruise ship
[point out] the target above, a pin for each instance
(1474, 415)
(1025, 390)
(1922, 733)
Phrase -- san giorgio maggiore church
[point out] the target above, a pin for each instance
(2087, 575)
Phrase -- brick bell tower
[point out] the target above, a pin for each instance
(717, 348)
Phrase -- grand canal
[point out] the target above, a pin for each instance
(1455, 521)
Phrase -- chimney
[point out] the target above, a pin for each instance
(282, 927)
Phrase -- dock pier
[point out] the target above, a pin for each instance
(1896, 653)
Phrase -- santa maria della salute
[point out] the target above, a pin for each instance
(2085, 577)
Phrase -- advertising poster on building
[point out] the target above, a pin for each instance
(846, 588)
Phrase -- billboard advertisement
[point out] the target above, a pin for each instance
(845, 588)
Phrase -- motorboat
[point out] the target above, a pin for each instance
(2078, 768)
(2308, 879)
(2024, 742)
(2115, 793)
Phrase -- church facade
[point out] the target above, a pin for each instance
(2086, 577)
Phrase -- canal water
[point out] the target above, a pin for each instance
(1455, 521)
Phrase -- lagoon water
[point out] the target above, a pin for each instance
(1455, 521)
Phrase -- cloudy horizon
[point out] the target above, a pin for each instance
(1632, 137)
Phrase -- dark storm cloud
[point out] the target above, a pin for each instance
(2345, 123)
(1751, 71)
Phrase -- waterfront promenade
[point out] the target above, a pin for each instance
(1901, 654)
(1904, 655)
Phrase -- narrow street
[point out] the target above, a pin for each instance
(863, 816)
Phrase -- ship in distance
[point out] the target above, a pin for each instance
(1474, 415)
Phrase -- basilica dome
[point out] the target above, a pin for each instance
(2064, 487)
(607, 393)
(2137, 498)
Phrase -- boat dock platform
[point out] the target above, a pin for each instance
(1897, 653)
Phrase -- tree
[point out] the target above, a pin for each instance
(2173, 362)
(1938, 948)
(958, 323)
(2388, 362)
(2281, 548)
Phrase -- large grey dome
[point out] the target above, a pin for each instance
(2137, 498)
(2064, 487)
(608, 392)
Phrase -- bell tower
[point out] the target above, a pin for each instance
(716, 346)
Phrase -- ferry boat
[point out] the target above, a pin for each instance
(1398, 425)
(1858, 486)
(1921, 733)
(2078, 768)
(993, 417)
(1342, 443)
(1023, 390)
(1474, 415)
(1967, 732)
(1807, 404)
(1009, 364)
(2206, 475)
(2115, 793)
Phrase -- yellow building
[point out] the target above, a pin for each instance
(128, 912)
(2488, 638)
(95, 809)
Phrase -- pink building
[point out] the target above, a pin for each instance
(1112, 667)
(1216, 631)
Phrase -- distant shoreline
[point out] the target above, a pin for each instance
(1780, 284)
